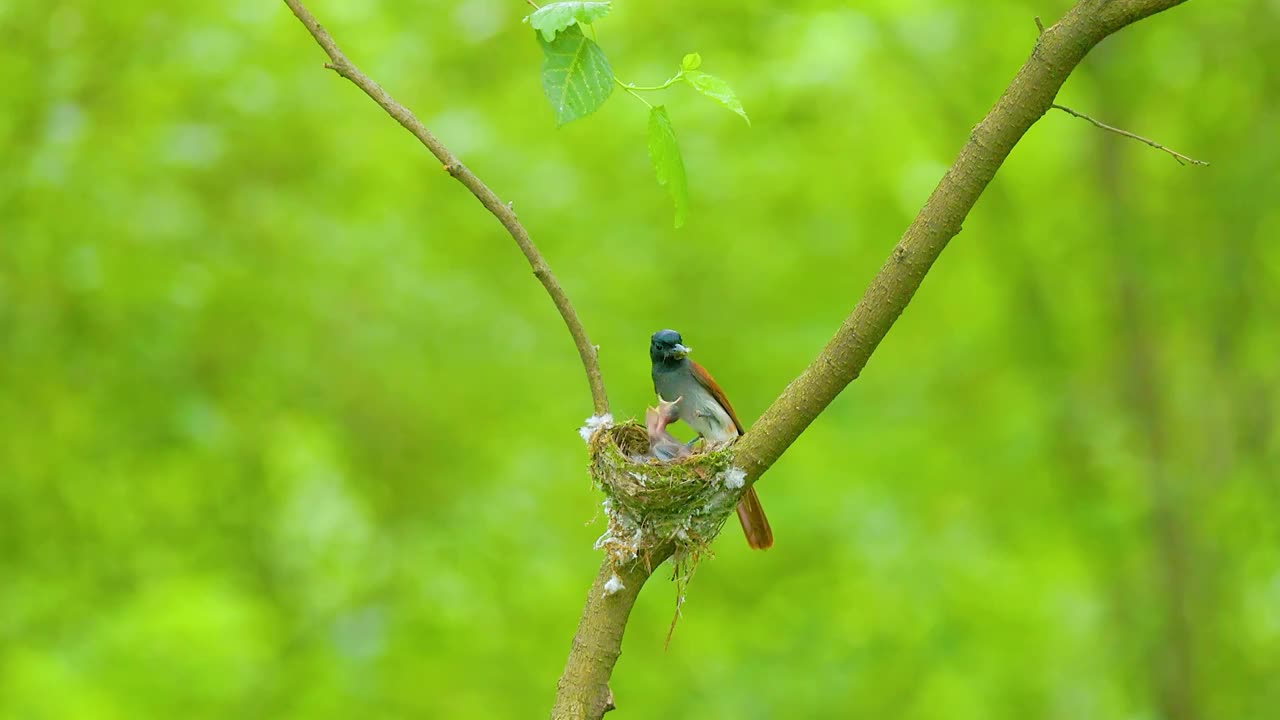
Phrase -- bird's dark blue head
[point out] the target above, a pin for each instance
(666, 346)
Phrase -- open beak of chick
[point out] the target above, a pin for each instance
(662, 445)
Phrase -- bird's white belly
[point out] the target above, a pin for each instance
(711, 421)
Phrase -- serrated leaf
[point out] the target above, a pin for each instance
(575, 75)
(691, 62)
(668, 165)
(716, 89)
(550, 19)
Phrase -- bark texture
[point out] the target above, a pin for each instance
(583, 690)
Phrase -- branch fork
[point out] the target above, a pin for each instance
(583, 690)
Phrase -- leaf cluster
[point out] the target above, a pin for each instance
(577, 80)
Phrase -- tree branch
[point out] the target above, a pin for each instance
(344, 67)
(1182, 159)
(1029, 96)
(583, 688)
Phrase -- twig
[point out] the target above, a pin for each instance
(1039, 25)
(1182, 159)
(341, 65)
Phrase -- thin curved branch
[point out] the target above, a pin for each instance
(1182, 159)
(344, 67)
(583, 689)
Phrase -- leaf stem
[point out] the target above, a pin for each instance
(634, 94)
(675, 79)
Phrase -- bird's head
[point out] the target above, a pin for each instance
(666, 346)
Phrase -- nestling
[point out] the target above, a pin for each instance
(662, 444)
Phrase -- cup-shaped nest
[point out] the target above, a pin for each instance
(651, 501)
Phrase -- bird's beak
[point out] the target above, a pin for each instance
(681, 351)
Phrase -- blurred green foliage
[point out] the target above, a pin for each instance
(288, 430)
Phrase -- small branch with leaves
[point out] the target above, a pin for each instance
(577, 79)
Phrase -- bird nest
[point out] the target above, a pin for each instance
(651, 502)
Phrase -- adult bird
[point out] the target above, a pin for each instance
(693, 396)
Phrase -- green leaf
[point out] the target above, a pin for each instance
(716, 89)
(575, 75)
(550, 19)
(668, 166)
(691, 62)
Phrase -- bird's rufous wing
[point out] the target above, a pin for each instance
(708, 382)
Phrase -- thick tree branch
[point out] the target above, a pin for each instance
(1057, 52)
(583, 689)
(340, 64)
(1182, 159)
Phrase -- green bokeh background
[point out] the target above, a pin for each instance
(287, 429)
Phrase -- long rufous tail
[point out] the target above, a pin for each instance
(754, 524)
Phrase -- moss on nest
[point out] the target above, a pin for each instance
(650, 502)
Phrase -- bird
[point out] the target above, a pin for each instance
(662, 445)
(692, 395)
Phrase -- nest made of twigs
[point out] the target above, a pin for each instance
(650, 501)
